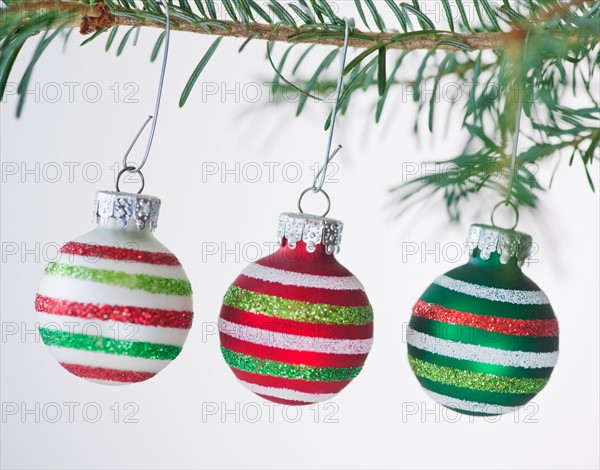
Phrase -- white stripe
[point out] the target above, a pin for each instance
(291, 278)
(521, 297)
(129, 267)
(80, 290)
(108, 361)
(112, 329)
(288, 394)
(472, 406)
(107, 382)
(472, 352)
(294, 342)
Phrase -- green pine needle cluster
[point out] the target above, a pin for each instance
(532, 58)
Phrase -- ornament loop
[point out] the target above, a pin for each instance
(515, 209)
(154, 117)
(131, 169)
(322, 173)
(318, 191)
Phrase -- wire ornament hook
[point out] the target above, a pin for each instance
(322, 173)
(132, 167)
(320, 176)
(515, 144)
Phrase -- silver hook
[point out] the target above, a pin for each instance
(133, 168)
(322, 173)
(513, 158)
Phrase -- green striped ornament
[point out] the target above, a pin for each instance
(483, 338)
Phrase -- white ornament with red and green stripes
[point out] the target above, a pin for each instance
(116, 306)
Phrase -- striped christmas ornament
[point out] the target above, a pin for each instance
(483, 338)
(296, 326)
(115, 307)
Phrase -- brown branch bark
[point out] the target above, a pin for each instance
(477, 41)
(93, 18)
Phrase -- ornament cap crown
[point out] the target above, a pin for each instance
(125, 208)
(312, 230)
(507, 243)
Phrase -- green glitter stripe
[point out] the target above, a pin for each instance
(106, 345)
(486, 368)
(439, 295)
(475, 380)
(256, 365)
(479, 396)
(272, 306)
(492, 339)
(145, 282)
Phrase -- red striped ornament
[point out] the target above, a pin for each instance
(116, 306)
(296, 326)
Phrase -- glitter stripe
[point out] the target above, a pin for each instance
(265, 273)
(145, 350)
(509, 326)
(294, 342)
(520, 297)
(280, 325)
(114, 330)
(111, 375)
(92, 250)
(107, 361)
(289, 356)
(475, 380)
(153, 284)
(470, 352)
(290, 371)
(342, 298)
(128, 267)
(471, 406)
(118, 313)
(254, 302)
(439, 295)
(288, 394)
(470, 335)
(469, 394)
(93, 293)
(306, 386)
(483, 367)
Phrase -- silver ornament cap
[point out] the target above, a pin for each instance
(140, 209)
(312, 230)
(507, 243)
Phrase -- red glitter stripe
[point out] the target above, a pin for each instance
(292, 356)
(509, 326)
(307, 386)
(119, 313)
(293, 327)
(344, 298)
(113, 375)
(121, 254)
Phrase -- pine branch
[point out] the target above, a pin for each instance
(545, 50)
(358, 39)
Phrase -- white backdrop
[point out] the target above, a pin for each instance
(82, 110)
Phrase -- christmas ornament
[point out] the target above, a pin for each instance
(296, 326)
(116, 306)
(483, 338)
